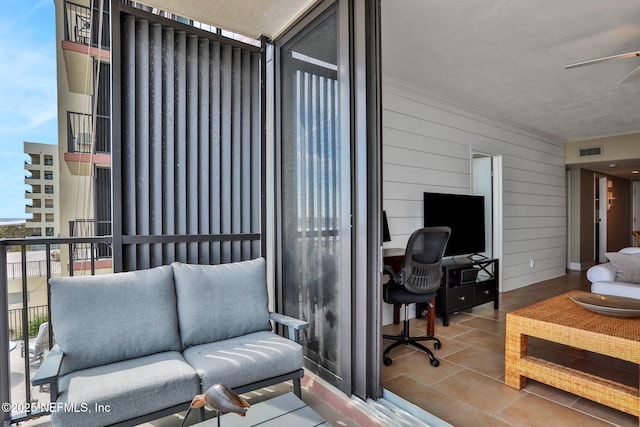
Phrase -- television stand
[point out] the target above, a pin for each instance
(477, 257)
(467, 284)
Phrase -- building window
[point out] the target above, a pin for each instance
(48, 175)
(48, 203)
(49, 231)
(48, 160)
(48, 189)
(48, 218)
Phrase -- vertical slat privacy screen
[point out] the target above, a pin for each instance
(190, 139)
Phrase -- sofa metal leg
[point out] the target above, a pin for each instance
(297, 390)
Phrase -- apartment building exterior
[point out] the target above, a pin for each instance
(84, 127)
(42, 176)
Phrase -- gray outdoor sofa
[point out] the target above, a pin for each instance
(136, 346)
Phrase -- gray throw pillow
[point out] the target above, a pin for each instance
(627, 266)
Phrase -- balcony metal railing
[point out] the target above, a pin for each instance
(90, 227)
(34, 269)
(79, 28)
(23, 319)
(35, 203)
(80, 136)
(16, 328)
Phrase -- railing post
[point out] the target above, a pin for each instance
(25, 325)
(5, 386)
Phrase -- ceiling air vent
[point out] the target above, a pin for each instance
(592, 151)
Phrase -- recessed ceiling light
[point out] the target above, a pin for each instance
(635, 172)
(612, 165)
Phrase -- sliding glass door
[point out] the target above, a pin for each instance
(314, 195)
(328, 188)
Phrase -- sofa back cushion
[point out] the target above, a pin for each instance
(216, 302)
(630, 250)
(108, 318)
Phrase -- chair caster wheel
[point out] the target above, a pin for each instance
(435, 363)
(387, 361)
(437, 346)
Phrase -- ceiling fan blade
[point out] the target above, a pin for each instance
(605, 59)
(631, 76)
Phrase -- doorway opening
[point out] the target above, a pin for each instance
(600, 233)
(482, 185)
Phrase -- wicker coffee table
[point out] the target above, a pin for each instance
(562, 321)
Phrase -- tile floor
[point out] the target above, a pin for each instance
(467, 389)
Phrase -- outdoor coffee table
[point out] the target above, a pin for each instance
(284, 410)
(562, 321)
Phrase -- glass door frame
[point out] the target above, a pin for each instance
(359, 82)
(308, 23)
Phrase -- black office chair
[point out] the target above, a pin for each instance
(418, 282)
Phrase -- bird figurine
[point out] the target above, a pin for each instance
(221, 399)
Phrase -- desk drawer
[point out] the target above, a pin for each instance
(460, 297)
(485, 292)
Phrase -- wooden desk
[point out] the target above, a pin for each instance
(394, 258)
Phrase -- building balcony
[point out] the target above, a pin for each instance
(83, 138)
(90, 227)
(81, 25)
(34, 174)
(87, 145)
(82, 37)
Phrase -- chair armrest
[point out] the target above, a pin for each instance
(48, 371)
(393, 277)
(601, 273)
(293, 325)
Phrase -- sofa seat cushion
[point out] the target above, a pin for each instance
(127, 389)
(620, 289)
(104, 319)
(216, 302)
(244, 360)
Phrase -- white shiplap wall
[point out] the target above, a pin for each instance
(427, 145)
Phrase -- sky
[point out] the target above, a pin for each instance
(28, 94)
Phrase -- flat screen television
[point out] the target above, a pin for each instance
(464, 214)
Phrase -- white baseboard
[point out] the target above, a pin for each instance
(580, 266)
(574, 266)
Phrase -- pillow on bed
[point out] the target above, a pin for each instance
(627, 266)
